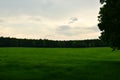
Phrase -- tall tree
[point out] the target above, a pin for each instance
(109, 22)
(102, 1)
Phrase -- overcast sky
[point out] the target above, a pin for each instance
(51, 19)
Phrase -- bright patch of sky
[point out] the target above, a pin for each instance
(51, 19)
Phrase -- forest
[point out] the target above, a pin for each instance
(45, 43)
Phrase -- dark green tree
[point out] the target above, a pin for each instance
(102, 1)
(109, 22)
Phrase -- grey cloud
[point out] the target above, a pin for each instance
(67, 30)
(1, 20)
(50, 8)
(72, 31)
(94, 28)
(73, 19)
(16, 7)
(64, 30)
(35, 18)
(63, 27)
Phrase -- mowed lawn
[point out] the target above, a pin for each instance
(59, 64)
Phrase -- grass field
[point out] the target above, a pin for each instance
(59, 64)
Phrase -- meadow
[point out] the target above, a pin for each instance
(59, 64)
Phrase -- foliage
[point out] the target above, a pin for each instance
(102, 1)
(109, 19)
(59, 64)
(13, 42)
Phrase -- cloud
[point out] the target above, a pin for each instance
(35, 18)
(68, 30)
(73, 19)
(50, 8)
(1, 20)
(94, 29)
(54, 19)
(64, 30)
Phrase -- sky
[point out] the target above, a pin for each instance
(49, 19)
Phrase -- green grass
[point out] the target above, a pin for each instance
(59, 64)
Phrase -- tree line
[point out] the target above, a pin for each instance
(45, 43)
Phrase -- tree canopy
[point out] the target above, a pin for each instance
(102, 1)
(45, 43)
(109, 22)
